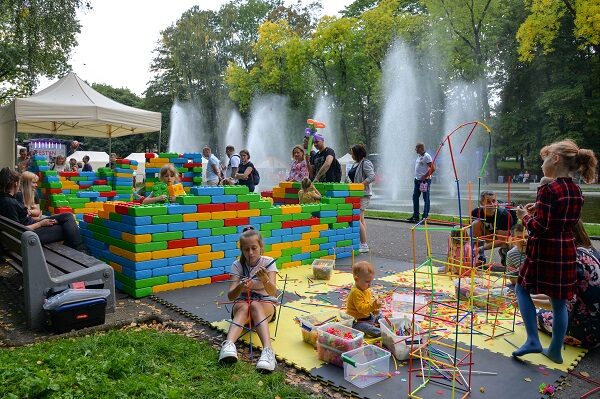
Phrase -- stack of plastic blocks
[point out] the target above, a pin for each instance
(162, 247)
(38, 164)
(123, 179)
(188, 165)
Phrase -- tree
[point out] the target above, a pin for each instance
(36, 39)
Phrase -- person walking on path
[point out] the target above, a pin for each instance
(424, 168)
(362, 172)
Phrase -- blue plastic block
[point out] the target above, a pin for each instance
(301, 256)
(88, 194)
(149, 229)
(176, 208)
(233, 253)
(197, 233)
(223, 246)
(98, 253)
(222, 262)
(115, 234)
(326, 214)
(232, 238)
(136, 274)
(356, 241)
(182, 226)
(173, 278)
(207, 190)
(343, 255)
(151, 171)
(91, 242)
(259, 219)
(350, 236)
(101, 199)
(356, 211)
(224, 199)
(328, 233)
(211, 272)
(187, 184)
(281, 232)
(182, 260)
(136, 220)
(210, 240)
(336, 238)
(165, 271)
(227, 269)
(178, 161)
(301, 229)
(294, 237)
(338, 194)
(93, 175)
(327, 245)
(273, 240)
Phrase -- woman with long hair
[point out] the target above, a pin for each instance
(28, 194)
(362, 172)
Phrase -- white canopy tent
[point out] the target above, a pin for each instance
(70, 107)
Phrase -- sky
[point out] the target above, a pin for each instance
(117, 38)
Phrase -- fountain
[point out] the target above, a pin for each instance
(398, 134)
(269, 143)
(186, 130)
(234, 132)
(325, 112)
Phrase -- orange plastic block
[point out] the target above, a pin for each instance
(167, 253)
(199, 249)
(224, 215)
(246, 213)
(211, 256)
(286, 184)
(281, 245)
(159, 160)
(319, 227)
(116, 267)
(312, 234)
(176, 190)
(300, 244)
(273, 254)
(167, 287)
(356, 187)
(291, 264)
(196, 281)
(136, 238)
(190, 267)
(289, 209)
(311, 248)
(196, 217)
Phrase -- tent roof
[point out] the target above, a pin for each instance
(71, 107)
(347, 158)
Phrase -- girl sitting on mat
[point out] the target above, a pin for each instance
(254, 292)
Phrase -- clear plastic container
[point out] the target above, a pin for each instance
(309, 323)
(333, 339)
(322, 268)
(366, 365)
(397, 336)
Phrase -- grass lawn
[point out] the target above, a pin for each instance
(593, 229)
(132, 364)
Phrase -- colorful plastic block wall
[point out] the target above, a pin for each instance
(192, 242)
(189, 167)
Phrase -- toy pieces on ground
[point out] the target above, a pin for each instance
(159, 189)
(176, 190)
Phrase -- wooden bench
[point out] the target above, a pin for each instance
(50, 267)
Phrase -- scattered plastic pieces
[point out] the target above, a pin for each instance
(482, 389)
(527, 379)
(547, 389)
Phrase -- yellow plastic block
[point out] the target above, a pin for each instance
(159, 160)
(286, 184)
(223, 215)
(288, 209)
(116, 266)
(200, 249)
(124, 175)
(190, 267)
(300, 243)
(211, 256)
(197, 281)
(167, 287)
(278, 192)
(134, 256)
(291, 264)
(356, 187)
(196, 217)
(246, 213)
(311, 248)
(273, 254)
(319, 227)
(167, 253)
(312, 234)
(281, 245)
(80, 211)
(136, 238)
(176, 190)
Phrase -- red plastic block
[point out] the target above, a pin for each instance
(291, 190)
(123, 161)
(108, 194)
(188, 179)
(149, 155)
(63, 209)
(266, 194)
(353, 200)
(237, 222)
(100, 182)
(312, 221)
(69, 174)
(88, 217)
(211, 208)
(54, 190)
(344, 219)
(236, 206)
(182, 243)
(191, 165)
(220, 277)
(355, 218)
(123, 209)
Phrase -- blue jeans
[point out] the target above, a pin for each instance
(416, 194)
(370, 326)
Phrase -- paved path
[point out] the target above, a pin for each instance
(392, 240)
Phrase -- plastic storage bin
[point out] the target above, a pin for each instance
(322, 268)
(333, 339)
(310, 323)
(397, 336)
(366, 365)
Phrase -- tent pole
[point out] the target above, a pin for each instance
(109, 139)
(159, 137)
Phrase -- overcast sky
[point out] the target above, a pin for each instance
(118, 36)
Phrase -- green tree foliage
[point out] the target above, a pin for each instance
(36, 38)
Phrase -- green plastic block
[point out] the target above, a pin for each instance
(297, 185)
(310, 208)
(281, 260)
(181, 169)
(98, 229)
(320, 240)
(211, 224)
(329, 200)
(345, 212)
(197, 179)
(147, 210)
(262, 204)
(273, 210)
(49, 172)
(57, 197)
(341, 225)
(344, 206)
(291, 251)
(268, 247)
(197, 169)
(290, 195)
(193, 199)
(124, 166)
(101, 188)
(301, 216)
(141, 283)
(266, 233)
(80, 201)
(270, 226)
(357, 193)
(328, 220)
(236, 190)
(221, 231)
(161, 219)
(54, 184)
(117, 217)
(282, 218)
(168, 155)
(166, 236)
(123, 190)
(307, 261)
(319, 254)
(252, 197)
(344, 243)
(60, 203)
(328, 207)
(143, 247)
(136, 292)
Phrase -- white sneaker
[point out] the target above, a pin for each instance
(267, 360)
(228, 353)
(363, 248)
